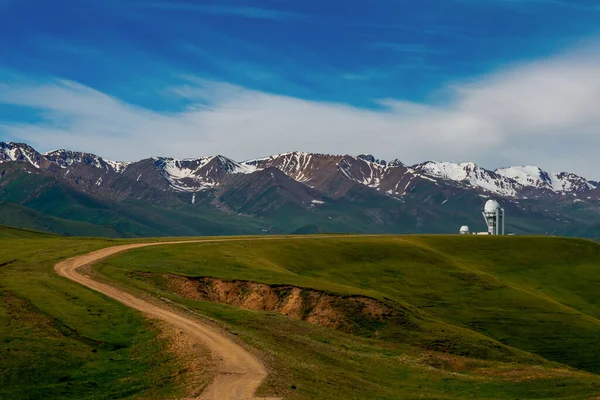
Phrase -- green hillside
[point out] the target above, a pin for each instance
(26, 218)
(487, 317)
(59, 340)
(46, 203)
(466, 317)
(18, 233)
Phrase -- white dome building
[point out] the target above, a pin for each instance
(464, 230)
(491, 206)
(493, 213)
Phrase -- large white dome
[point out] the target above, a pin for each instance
(465, 230)
(491, 206)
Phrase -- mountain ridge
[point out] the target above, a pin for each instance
(197, 174)
(289, 192)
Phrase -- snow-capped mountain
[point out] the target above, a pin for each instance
(284, 193)
(470, 175)
(333, 175)
(396, 179)
(512, 182)
(336, 174)
(534, 177)
(192, 175)
(68, 158)
(19, 152)
(303, 167)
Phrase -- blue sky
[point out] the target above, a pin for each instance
(196, 66)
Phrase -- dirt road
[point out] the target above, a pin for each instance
(239, 373)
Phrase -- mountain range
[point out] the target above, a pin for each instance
(78, 193)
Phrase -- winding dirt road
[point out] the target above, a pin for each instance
(239, 373)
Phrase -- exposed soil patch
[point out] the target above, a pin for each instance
(352, 314)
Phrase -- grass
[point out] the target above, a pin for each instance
(19, 233)
(491, 318)
(22, 217)
(59, 340)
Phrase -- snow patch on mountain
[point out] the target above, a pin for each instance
(241, 168)
(118, 166)
(288, 155)
(363, 170)
(570, 182)
(192, 175)
(535, 177)
(67, 159)
(180, 169)
(527, 175)
(308, 168)
(294, 164)
(184, 175)
(470, 174)
(10, 151)
(427, 178)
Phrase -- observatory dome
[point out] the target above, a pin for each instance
(491, 206)
(464, 230)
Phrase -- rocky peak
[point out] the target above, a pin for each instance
(68, 159)
(470, 174)
(19, 152)
(192, 175)
(370, 158)
(534, 177)
(395, 163)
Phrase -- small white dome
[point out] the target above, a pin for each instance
(491, 206)
(465, 230)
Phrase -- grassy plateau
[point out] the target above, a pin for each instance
(468, 317)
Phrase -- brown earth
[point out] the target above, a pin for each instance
(313, 306)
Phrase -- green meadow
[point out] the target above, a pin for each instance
(59, 340)
(475, 309)
(482, 317)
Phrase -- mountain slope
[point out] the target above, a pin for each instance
(290, 192)
(45, 195)
(17, 216)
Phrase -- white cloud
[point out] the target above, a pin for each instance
(543, 113)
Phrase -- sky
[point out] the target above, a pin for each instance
(496, 82)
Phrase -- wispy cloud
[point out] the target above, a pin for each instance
(543, 112)
(219, 9)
